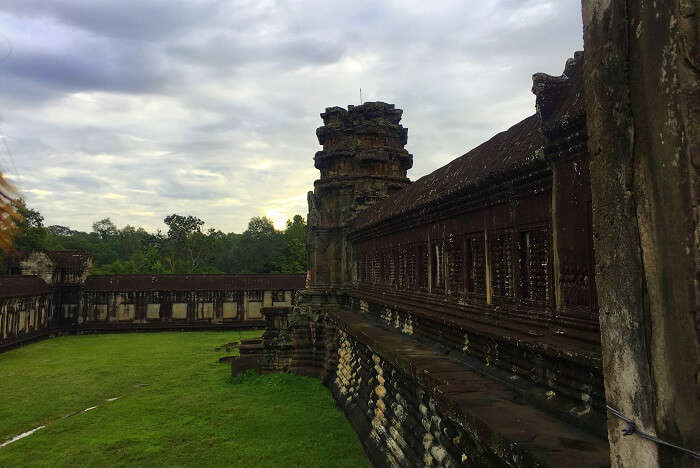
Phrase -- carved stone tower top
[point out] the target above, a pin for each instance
(363, 160)
(365, 140)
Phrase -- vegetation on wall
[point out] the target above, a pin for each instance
(184, 248)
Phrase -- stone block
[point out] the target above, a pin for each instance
(230, 310)
(153, 311)
(179, 310)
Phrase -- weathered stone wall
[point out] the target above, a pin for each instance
(642, 75)
(566, 381)
(24, 318)
(398, 421)
(416, 405)
(64, 270)
(190, 308)
(499, 273)
(27, 313)
(28, 307)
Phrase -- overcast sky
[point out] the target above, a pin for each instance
(134, 110)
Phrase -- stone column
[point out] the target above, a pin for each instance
(643, 107)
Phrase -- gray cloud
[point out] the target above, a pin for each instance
(138, 109)
(143, 19)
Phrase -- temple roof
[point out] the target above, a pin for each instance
(507, 151)
(194, 282)
(68, 258)
(22, 286)
(60, 258)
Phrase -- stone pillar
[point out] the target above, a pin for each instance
(642, 89)
(561, 107)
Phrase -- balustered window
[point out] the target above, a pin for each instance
(278, 296)
(501, 249)
(402, 280)
(535, 283)
(393, 266)
(376, 268)
(455, 265)
(364, 266)
(423, 258)
(412, 267)
(255, 295)
(437, 271)
(476, 264)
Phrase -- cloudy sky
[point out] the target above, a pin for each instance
(136, 109)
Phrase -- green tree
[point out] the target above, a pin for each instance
(293, 259)
(185, 249)
(105, 228)
(151, 263)
(186, 244)
(260, 247)
(31, 233)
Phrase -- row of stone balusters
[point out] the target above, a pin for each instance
(397, 420)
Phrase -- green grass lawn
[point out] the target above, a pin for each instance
(177, 406)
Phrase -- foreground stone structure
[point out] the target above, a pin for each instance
(490, 313)
(642, 76)
(51, 293)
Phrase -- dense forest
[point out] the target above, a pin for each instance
(184, 248)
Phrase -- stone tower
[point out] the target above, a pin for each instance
(363, 160)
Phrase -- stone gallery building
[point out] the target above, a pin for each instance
(535, 301)
(26, 309)
(187, 300)
(50, 292)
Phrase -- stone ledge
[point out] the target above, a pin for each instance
(516, 433)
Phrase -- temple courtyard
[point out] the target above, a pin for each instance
(162, 399)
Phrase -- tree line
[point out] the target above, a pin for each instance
(184, 248)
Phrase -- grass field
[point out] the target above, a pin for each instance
(176, 406)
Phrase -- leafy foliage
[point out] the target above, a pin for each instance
(186, 248)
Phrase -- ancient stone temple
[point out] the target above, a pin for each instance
(454, 318)
(496, 312)
(49, 293)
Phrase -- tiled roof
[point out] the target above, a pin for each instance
(194, 282)
(74, 259)
(22, 286)
(507, 151)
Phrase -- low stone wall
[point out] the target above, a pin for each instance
(555, 371)
(412, 403)
(398, 421)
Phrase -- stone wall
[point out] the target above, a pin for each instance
(414, 403)
(491, 257)
(166, 308)
(642, 75)
(26, 310)
(64, 270)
